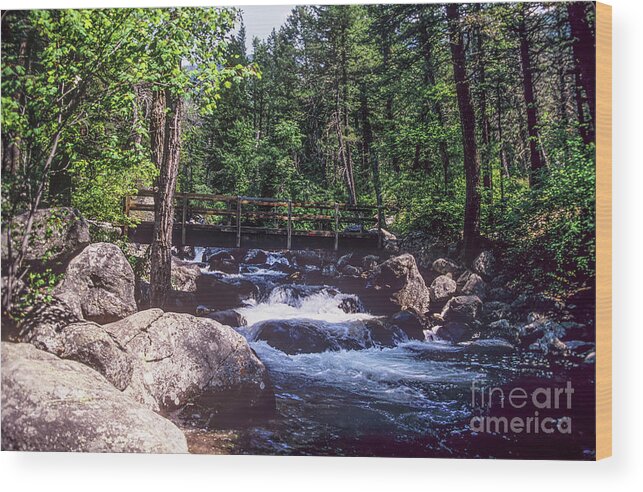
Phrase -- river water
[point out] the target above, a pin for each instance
(412, 399)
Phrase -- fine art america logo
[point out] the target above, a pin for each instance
(532, 411)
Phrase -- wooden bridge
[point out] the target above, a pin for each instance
(269, 223)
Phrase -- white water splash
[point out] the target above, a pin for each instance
(284, 303)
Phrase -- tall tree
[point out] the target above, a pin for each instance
(471, 233)
(179, 39)
(584, 47)
(535, 158)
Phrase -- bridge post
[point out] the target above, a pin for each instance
(184, 218)
(289, 242)
(238, 221)
(336, 226)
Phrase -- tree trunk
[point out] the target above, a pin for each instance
(584, 48)
(160, 257)
(536, 162)
(157, 127)
(487, 176)
(467, 120)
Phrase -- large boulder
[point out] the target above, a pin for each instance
(294, 336)
(442, 289)
(84, 342)
(465, 309)
(471, 284)
(57, 235)
(453, 331)
(184, 275)
(50, 404)
(224, 293)
(99, 284)
(398, 285)
(409, 322)
(301, 336)
(256, 257)
(180, 359)
(224, 262)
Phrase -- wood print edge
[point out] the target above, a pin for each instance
(603, 231)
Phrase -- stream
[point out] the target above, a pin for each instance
(363, 399)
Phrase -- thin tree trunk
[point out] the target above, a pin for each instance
(536, 163)
(160, 257)
(467, 120)
(584, 49)
(487, 176)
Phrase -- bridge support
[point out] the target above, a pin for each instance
(289, 241)
(184, 218)
(336, 226)
(238, 221)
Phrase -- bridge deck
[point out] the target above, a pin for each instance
(237, 221)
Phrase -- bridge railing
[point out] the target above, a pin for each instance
(245, 214)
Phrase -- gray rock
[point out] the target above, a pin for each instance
(300, 336)
(549, 345)
(57, 235)
(224, 293)
(442, 289)
(256, 257)
(409, 322)
(344, 261)
(539, 329)
(50, 404)
(229, 317)
(184, 275)
(501, 329)
(99, 284)
(400, 284)
(465, 309)
(485, 264)
(180, 359)
(489, 346)
(84, 342)
(444, 266)
(223, 262)
(473, 285)
(453, 331)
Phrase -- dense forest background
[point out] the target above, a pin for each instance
(471, 121)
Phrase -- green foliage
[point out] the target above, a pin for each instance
(38, 291)
(550, 231)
